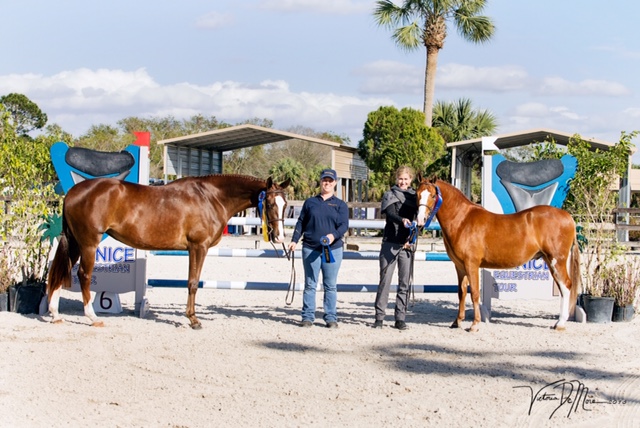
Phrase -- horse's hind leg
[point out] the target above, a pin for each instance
(85, 273)
(66, 256)
(561, 278)
(54, 305)
(474, 283)
(196, 260)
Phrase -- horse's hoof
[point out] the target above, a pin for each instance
(559, 328)
(196, 326)
(97, 324)
(455, 325)
(58, 321)
(473, 329)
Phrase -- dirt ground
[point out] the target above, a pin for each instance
(251, 365)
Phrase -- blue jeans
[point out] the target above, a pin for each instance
(313, 263)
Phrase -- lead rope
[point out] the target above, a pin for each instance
(292, 279)
(413, 245)
(284, 250)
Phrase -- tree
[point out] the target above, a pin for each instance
(27, 179)
(288, 168)
(56, 132)
(25, 114)
(105, 138)
(459, 121)
(309, 132)
(393, 137)
(424, 23)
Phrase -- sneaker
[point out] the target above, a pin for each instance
(401, 325)
(377, 324)
(332, 324)
(306, 324)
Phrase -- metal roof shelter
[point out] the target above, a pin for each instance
(465, 153)
(201, 154)
(523, 138)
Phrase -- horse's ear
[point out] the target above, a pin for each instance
(285, 183)
(433, 179)
(419, 177)
(269, 183)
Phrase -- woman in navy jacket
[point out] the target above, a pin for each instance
(323, 221)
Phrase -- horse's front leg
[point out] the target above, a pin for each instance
(474, 283)
(85, 273)
(197, 255)
(462, 297)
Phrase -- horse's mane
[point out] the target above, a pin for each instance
(457, 193)
(217, 176)
(239, 176)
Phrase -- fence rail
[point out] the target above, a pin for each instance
(627, 220)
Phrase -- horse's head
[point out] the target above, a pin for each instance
(428, 197)
(275, 204)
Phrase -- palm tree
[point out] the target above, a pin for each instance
(424, 23)
(458, 121)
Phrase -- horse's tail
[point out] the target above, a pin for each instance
(60, 271)
(576, 279)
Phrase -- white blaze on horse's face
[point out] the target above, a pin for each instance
(422, 207)
(281, 204)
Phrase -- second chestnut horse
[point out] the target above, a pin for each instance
(476, 238)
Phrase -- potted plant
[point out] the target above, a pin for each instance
(591, 201)
(5, 278)
(622, 283)
(27, 181)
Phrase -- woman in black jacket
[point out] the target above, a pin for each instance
(399, 207)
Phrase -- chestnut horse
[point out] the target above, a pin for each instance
(475, 238)
(187, 214)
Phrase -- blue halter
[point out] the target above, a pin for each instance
(436, 206)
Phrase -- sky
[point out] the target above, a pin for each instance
(569, 65)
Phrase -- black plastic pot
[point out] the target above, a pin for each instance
(598, 309)
(25, 299)
(4, 302)
(623, 313)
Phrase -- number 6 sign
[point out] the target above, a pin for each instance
(107, 302)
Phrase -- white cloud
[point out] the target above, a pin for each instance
(389, 77)
(633, 112)
(542, 111)
(78, 99)
(566, 113)
(337, 7)
(558, 86)
(214, 20)
(386, 77)
(532, 110)
(619, 51)
(532, 115)
(495, 79)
